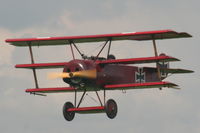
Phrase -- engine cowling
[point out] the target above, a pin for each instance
(77, 66)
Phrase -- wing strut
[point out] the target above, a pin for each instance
(155, 48)
(72, 50)
(73, 44)
(32, 61)
(109, 40)
(109, 48)
(77, 49)
(156, 54)
(102, 49)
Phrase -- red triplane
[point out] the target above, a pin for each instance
(97, 73)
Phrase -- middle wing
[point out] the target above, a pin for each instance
(42, 65)
(138, 60)
(103, 62)
(118, 61)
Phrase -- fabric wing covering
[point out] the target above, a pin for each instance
(139, 36)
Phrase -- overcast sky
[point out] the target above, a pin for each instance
(140, 111)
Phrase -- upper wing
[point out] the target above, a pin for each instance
(140, 85)
(148, 35)
(138, 60)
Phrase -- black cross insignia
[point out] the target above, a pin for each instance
(140, 75)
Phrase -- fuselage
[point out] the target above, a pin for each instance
(108, 74)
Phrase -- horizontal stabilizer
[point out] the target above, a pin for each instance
(175, 71)
(41, 65)
(140, 85)
(51, 90)
(138, 60)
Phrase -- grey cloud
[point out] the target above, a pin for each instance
(24, 13)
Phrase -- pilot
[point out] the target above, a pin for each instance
(111, 57)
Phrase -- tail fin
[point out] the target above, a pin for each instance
(163, 65)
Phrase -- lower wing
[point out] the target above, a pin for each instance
(51, 90)
(140, 85)
(38, 91)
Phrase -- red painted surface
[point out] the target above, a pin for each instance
(137, 60)
(87, 108)
(118, 61)
(43, 90)
(138, 85)
(147, 35)
(42, 65)
(87, 36)
(112, 74)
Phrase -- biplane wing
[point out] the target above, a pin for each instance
(42, 65)
(138, 60)
(140, 85)
(147, 35)
(101, 62)
(107, 87)
(51, 90)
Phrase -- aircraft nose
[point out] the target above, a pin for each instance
(71, 74)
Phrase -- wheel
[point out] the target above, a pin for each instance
(69, 116)
(111, 108)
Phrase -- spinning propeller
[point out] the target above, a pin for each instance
(91, 74)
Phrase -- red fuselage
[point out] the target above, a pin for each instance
(108, 74)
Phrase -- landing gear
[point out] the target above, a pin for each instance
(68, 115)
(111, 108)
